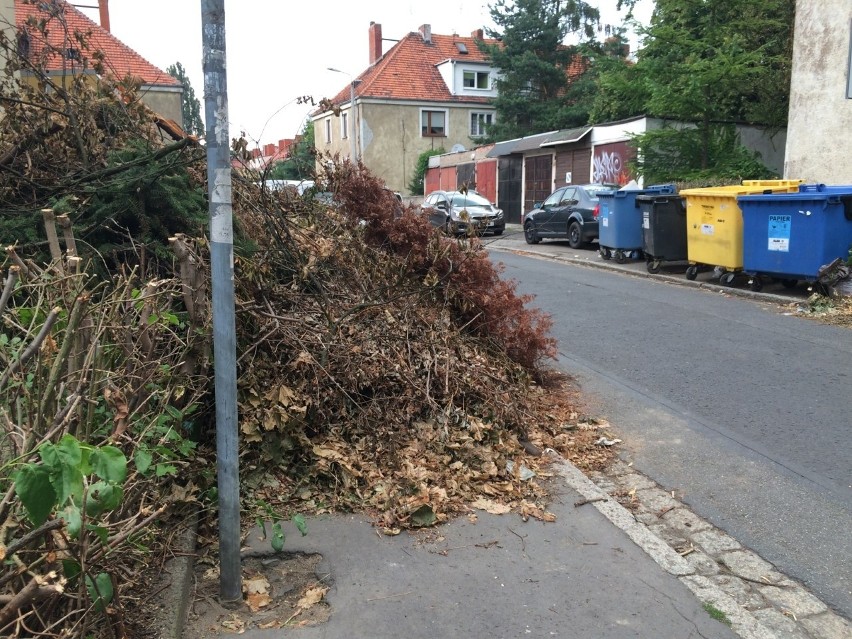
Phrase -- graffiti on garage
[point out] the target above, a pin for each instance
(609, 163)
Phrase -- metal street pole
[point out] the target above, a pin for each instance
(222, 284)
(353, 149)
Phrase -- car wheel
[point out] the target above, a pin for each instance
(530, 234)
(575, 235)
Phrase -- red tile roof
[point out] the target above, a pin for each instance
(409, 70)
(119, 59)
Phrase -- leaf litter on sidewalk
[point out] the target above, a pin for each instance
(388, 370)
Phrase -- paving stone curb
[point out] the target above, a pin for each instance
(177, 578)
(759, 601)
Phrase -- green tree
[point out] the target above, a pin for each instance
(301, 164)
(674, 154)
(191, 107)
(705, 62)
(417, 181)
(620, 90)
(719, 60)
(533, 90)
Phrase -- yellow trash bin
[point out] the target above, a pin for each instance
(714, 224)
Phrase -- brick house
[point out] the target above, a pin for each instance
(428, 91)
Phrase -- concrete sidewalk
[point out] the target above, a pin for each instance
(501, 577)
(599, 571)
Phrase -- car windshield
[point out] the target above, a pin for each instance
(469, 199)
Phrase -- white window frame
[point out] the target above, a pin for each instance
(476, 77)
(328, 130)
(446, 122)
(344, 125)
(481, 125)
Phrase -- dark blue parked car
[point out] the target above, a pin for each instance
(570, 212)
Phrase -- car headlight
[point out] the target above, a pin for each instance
(499, 213)
(461, 215)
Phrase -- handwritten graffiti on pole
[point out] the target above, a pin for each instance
(608, 167)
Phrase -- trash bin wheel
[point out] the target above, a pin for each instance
(727, 279)
(692, 272)
(756, 283)
(605, 252)
(653, 266)
(619, 256)
(789, 283)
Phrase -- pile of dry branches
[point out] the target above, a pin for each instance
(375, 366)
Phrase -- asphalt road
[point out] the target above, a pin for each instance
(742, 409)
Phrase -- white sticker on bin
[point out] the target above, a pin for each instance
(779, 244)
(707, 229)
(606, 221)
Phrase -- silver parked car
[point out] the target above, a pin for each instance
(460, 212)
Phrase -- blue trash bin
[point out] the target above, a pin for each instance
(620, 221)
(789, 236)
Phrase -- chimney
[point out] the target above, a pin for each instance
(375, 42)
(426, 33)
(269, 150)
(477, 35)
(103, 5)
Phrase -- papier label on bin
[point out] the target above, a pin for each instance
(707, 229)
(646, 221)
(779, 232)
(606, 221)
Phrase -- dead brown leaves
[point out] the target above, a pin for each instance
(361, 388)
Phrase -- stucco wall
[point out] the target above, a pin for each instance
(819, 128)
(769, 143)
(392, 140)
(389, 137)
(7, 24)
(165, 102)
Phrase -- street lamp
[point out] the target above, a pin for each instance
(353, 148)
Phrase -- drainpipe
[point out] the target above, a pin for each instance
(353, 147)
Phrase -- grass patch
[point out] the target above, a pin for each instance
(717, 614)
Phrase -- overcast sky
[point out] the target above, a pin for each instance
(278, 50)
